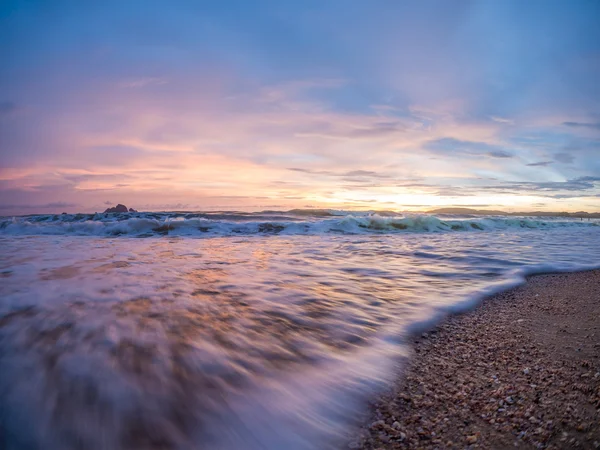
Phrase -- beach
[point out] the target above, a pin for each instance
(522, 370)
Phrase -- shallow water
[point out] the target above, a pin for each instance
(242, 339)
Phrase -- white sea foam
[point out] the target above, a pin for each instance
(155, 224)
(258, 339)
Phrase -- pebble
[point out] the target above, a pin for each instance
(377, 424)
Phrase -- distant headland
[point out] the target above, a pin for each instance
(485, 212)
(119, 209)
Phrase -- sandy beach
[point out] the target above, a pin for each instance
(520, 371)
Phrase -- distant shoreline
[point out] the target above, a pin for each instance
(483, 212)
(324, 212)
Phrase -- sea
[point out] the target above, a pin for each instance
(234, 330)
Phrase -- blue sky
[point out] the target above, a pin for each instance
(360, 104)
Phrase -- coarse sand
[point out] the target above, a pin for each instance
(522, 370)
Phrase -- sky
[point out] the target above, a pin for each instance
(236, 104)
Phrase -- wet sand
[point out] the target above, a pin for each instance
(520, 371)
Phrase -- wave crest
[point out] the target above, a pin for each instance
(157, 224)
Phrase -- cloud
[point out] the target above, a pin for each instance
(51, 205)
(502, 120)
(575, 184)
(364, 173)
(60, 205)
(564, 158)
(500, 154)
(143, 82)
(166, 207)
(572, 188)
(540, 164)
(314, 172)
(595, 126)
(359, 173)
(563, 196)
(455, 147)
(342, 131)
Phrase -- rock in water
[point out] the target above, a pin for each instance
(132, 210)
(117, 209)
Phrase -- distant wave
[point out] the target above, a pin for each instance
(295, 222)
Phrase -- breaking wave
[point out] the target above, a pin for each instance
(291, 223)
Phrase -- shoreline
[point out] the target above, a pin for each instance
(519, 370)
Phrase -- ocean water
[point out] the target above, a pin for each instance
(233, 330)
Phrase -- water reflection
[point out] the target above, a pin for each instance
(265, 341)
